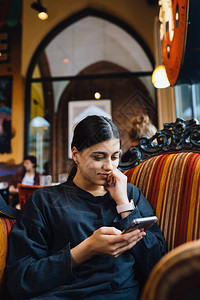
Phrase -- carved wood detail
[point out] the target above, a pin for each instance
(182, 135)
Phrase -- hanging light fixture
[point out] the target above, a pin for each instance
(42, 11)
(97, 95)
(159, 77)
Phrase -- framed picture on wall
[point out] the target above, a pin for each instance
(5, 113)
(78, 110)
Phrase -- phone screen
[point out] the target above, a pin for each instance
(141, 223)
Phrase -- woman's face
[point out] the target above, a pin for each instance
(28, 165)
(96, 162)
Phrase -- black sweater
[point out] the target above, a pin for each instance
(58, 218)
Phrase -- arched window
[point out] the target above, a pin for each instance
(88, 53)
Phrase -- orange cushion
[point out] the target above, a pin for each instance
(171, 183)
(176, 275)
(5, 228)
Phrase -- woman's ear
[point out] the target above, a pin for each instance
(74, 154)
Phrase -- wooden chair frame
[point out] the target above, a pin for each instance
(25, 191)
(175, 137)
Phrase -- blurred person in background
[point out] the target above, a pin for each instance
(141, 127)
(27, 175)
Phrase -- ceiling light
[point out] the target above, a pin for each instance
(159, 78)
(43, 15)
(42, 11)
(97, 95)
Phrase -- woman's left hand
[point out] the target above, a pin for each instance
(117, 186)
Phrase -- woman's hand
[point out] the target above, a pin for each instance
(109, 241)
(12, 188)
(117, 186)
(105, 241)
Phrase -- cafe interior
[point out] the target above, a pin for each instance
(63, 60)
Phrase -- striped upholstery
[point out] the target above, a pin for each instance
(5, 228)
(171, 183)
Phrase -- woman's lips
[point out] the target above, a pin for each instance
(105, 176)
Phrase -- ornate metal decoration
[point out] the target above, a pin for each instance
(175, 137)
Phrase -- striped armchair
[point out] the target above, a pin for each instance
(8, 217)
(167, 170)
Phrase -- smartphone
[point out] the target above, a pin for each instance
(141, 223)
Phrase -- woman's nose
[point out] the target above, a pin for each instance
(108, 164)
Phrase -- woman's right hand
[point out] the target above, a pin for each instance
(12, 188)
(105, 241)
(109, 241)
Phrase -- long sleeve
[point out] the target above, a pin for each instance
(17, 177)
(31, 268)
(152, 247)
(37, 178)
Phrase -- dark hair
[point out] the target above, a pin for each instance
(90, 131)
(32, 159)
(93, 130)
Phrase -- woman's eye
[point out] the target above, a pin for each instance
(98, 157)
(115, 157)
(101, 157)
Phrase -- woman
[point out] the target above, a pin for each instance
(27, 175)
(67, 243)
(141, 127)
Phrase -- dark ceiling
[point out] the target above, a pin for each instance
(152, 2)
